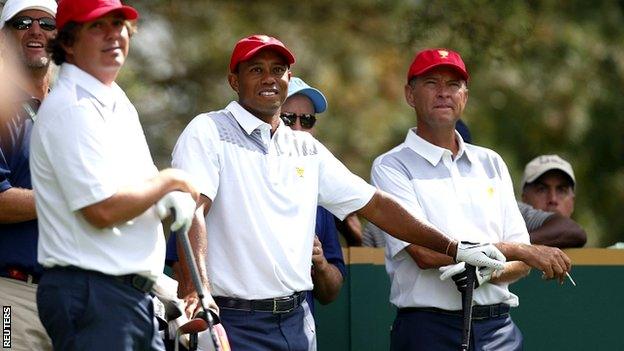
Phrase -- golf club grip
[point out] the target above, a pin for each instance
(467, 306)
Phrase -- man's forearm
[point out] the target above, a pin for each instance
(131, 201)
(391, 217)
(327, 281)
(17, 205)
(199, 242)
(426, 258)
(559, 231)
(513, 272)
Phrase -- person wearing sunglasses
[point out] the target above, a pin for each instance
(328, 268)
(26, 26)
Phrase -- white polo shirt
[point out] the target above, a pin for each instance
(264, 191)
(87, 143)
(468, 198)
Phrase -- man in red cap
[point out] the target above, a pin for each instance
(100, 199)
(260, 184)
(464, 190)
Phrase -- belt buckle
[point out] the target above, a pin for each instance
(276, 300)
(141, 283)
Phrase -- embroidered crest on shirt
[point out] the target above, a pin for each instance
(490, 192)
(300, 171)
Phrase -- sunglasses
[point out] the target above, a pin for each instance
(307, 120)
(25, 22)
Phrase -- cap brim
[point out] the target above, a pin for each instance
(318, 99)
(534, 177)
(290, 58)
(458, 69)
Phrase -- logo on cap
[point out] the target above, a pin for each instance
(443, 53)
(263, 38)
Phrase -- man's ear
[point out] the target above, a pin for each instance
(409, 95)
(233, 80)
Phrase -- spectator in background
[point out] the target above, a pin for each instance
(299, 112)
(26, 27)
(100, 235)
(548, 194)
(548, 185)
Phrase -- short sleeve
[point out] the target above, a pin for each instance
(533, 217)
(78, 151)
(340, 191)
(5, 172)
(196, 153)
(396, 183)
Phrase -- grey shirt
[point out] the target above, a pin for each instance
(533, 217)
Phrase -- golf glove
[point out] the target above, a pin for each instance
(458, 273)
(480, 255)
(183, 206)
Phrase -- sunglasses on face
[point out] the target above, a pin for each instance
(305, 119)
(25, 22)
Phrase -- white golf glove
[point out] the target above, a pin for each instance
(459, 275)
(183, 205)
(480, 255)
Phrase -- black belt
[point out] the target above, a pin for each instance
(136, 281)
(478, 312)
(20, 274)
(275, 305)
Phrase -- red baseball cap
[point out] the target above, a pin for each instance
(87, 10)
(246, 48)
(430, 58)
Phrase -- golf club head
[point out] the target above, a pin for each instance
(195, 325)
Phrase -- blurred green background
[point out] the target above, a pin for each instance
(547, 77)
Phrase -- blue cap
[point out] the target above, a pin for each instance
(298, 86)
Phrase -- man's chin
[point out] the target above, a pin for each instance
(41, 62)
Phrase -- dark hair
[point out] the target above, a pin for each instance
(67, 36)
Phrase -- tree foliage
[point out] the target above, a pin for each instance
(546, 77)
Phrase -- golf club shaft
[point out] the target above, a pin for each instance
(191, 263)
(467, 306)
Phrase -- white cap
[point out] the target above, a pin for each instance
(13, 7)
(543, 164)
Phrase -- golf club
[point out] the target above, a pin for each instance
(183, 240)
(467, 306)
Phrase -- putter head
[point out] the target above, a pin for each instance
(195, 325)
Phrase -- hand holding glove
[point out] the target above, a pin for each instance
(183, 206)
(459, 274)
(480, 255)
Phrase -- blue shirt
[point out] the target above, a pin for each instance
(325, 229)
(18, 241)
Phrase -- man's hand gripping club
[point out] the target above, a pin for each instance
(183, 207)
(480, 256)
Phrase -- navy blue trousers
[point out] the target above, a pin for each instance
(84, 310)
(264, 331)
(424, 330)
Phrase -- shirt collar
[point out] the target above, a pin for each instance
(433, 153)
(245, 119)
(101, 92)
